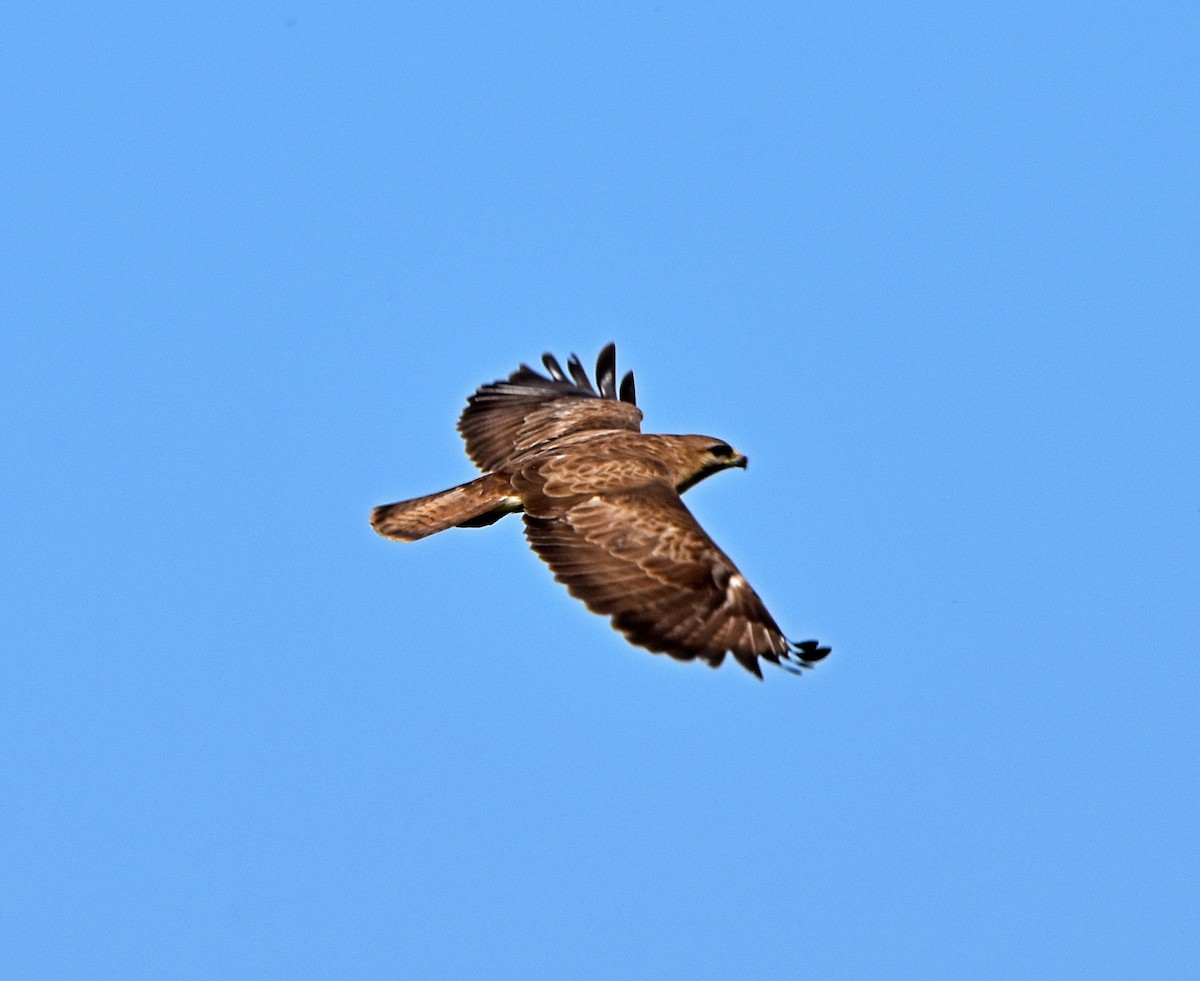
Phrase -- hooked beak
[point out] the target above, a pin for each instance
(741, 461)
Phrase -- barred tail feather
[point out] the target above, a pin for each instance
(471, 505)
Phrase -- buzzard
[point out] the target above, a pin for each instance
(602, 508)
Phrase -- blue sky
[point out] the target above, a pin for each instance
(933, 267)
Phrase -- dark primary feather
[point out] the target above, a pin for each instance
(606, 372)
(628, 392)
(579, 373)
(553, 367)
(804, 654)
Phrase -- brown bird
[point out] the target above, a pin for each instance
(602, 508)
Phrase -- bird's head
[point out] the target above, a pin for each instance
(704, 456)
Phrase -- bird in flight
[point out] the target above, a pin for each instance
(602, 508)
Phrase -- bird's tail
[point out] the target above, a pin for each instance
(471, 505)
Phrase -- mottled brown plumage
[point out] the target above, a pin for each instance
(602, 507)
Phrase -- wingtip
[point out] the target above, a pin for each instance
(574, 373)
(807, 653)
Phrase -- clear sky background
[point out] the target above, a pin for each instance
(934, 267)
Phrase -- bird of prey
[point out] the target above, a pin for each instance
(602, 508)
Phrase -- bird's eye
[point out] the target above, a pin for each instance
(723, 451)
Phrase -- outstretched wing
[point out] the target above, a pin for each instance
(641, 558)
(508, 417)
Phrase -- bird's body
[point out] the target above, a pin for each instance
(602, 507)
